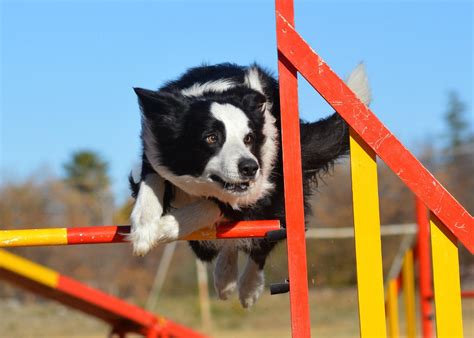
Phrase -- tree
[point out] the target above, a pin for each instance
(456, 123)
(87, 172)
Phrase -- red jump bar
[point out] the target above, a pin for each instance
(118, 233)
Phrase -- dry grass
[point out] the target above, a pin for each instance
(333, 314)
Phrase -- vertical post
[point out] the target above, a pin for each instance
(204, 302)
(294, 207)
(367, 239)
(392, 309)
(408, 279)
(424, 270)
(160, 276)
(446, 281)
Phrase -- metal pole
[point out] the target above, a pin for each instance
(160, 276)
(204, 302)
(424, 270)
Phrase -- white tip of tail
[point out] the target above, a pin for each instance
(359, 83)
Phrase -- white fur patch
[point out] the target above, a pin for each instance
(251, 284)
(359, 83)
(252, 80)
(225, 163)
(146, 213)
(150, 227)
(198, 89)
(136, 172)
(225, 272)
(270, 147)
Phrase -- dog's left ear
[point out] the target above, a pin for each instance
(254, 102)
(159, 106)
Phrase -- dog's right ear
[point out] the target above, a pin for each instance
(156, 105)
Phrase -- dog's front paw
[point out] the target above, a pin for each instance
(143, 237)
(147, 234)
(168, 229)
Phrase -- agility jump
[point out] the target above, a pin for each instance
(118, 234)
(449, 221)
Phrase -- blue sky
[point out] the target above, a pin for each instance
(68, 67)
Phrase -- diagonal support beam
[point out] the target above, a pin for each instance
(374, 133)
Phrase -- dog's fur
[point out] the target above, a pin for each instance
(211, 153)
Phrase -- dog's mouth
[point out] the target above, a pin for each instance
(239, 187)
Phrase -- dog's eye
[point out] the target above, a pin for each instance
(248, 139)
(211, 139)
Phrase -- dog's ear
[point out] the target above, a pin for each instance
(254, 102)
(159, 106)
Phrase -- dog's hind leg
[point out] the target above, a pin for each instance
(226, 271)
(251, 282)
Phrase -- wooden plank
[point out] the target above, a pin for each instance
(28, 269)
(293, 182)
(446, 281)
(392, 309)
(424, 269)
(408, 281)
(367, 239)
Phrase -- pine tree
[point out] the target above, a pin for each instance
(87, 172)
(455, 121)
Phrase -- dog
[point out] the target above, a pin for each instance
(211, 153)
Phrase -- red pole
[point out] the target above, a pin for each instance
(424, 269)
(290, 134)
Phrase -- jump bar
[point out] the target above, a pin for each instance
(118, 233)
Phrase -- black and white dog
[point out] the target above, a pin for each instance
(211, 153)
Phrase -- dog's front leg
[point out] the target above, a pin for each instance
(146, 214)
(183, 221)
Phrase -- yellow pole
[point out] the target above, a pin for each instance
(367, 239)
(447, 288)
(392, 309)
(408, 280)
(28, 269)
(48, 236)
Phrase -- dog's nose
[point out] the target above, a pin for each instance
(248, 167)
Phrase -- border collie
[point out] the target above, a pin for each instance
(211, 153)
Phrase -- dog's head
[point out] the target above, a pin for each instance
(212, 145)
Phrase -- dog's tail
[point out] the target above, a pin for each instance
(324, 141)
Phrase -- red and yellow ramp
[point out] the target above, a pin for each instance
(122, 316)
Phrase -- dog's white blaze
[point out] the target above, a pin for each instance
(218, 86)
(225, 163)
(270, 146)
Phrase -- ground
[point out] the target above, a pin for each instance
(333, 314)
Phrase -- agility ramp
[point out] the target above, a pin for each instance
(123, 317)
